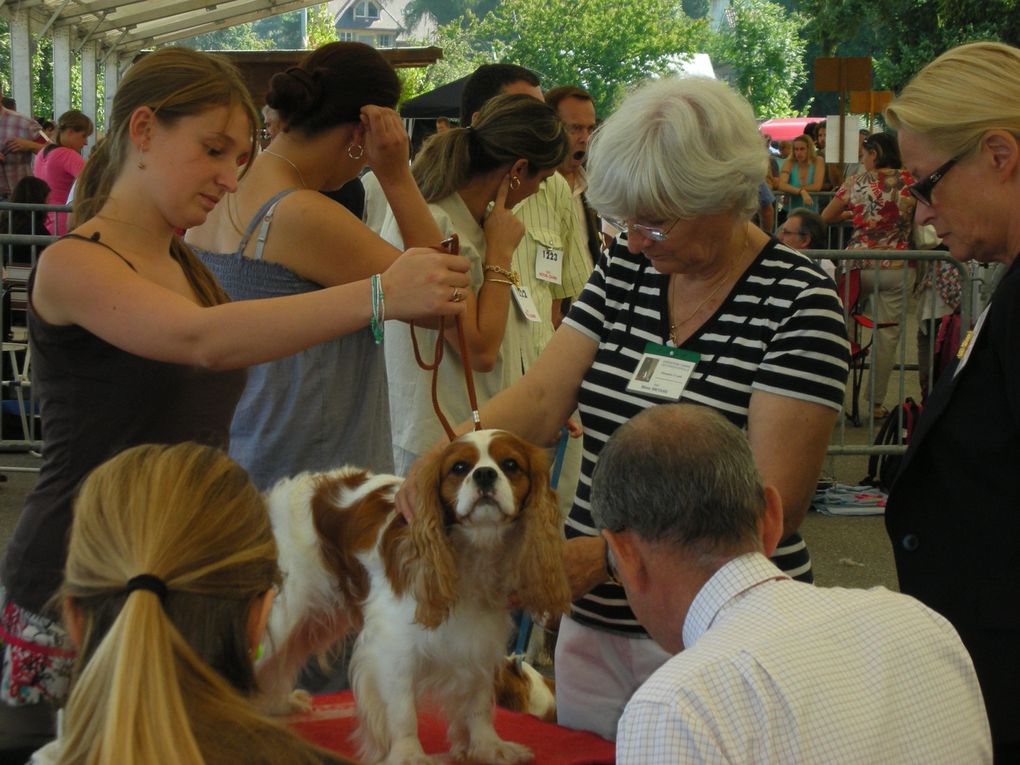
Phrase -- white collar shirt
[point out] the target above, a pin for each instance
(777, 671)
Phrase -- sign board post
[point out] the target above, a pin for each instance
(870, 102)
(841, 74)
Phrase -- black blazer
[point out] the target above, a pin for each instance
(953, 513)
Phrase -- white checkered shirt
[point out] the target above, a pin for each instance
(778, 671)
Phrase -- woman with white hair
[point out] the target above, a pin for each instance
(699, 305)
(952, 511)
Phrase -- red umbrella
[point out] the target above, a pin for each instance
(786, 128)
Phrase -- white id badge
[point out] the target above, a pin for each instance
(525, 303)
(663, 372)
(549, 264)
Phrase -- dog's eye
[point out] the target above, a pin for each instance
(460, 468)
(510, 465)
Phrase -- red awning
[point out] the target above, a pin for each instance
(787, 128)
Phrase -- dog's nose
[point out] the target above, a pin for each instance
(485, 478)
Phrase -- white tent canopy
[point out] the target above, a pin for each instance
(108, 33)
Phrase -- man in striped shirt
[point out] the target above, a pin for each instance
(766, 669)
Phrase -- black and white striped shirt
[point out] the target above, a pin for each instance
(780, 330)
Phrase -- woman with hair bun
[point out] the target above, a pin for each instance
(472, 177)
(277, 235)
(171, 572)
(134, 341)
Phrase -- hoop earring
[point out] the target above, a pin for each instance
(352, 148)
(515, 182)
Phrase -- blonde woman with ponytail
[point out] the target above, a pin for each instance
(133, 339)
(171, 571)
(472, 177)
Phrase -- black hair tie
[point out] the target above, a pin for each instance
(147, 582)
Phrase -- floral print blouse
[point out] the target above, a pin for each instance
(883, 212)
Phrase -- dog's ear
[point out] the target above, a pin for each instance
(434, 580)
(541, 577)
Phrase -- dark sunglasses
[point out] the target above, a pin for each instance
(921, 191)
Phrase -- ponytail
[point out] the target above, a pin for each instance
(508, 127)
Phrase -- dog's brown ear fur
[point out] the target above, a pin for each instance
(541, 576)
(434, 579)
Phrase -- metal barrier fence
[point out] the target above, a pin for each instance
(975, 282)
(23, 236)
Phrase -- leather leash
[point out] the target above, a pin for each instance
(452, 246)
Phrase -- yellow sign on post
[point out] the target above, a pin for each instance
(869, 101)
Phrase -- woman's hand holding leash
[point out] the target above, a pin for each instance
(421, 283)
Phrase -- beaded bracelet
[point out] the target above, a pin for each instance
(511, 275)
(378, 309)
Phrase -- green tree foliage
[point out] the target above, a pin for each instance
(446, 11)
(461, 56)
(602, 45)
(904, 35)
(282, 32)
(321, 26)
(762, 42)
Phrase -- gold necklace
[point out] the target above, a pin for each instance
(119, 222)
(296, 170)
(673, 327)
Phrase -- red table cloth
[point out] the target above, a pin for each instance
(331, 722)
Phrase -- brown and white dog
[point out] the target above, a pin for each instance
(429, 599)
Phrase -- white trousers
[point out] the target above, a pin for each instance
(596, 674)
(892, 285)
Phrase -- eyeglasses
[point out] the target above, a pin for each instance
(921, 191)
(649, 232)
(785, 230)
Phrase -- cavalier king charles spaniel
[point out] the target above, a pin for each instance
(429, 599)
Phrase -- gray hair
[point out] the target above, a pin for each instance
(680, 474)
(677, 148)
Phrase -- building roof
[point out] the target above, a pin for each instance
(127, 26)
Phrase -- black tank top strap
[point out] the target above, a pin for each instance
(95, 240)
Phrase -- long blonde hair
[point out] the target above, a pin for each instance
(960, 95)
(509, 127)
(166, 680)
(174, 83)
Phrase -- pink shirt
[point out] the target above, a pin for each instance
(58, 167)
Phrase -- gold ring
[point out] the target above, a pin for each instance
(457, 295)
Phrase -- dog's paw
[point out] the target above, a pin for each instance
(408, 755)
(492, 752)
(299, 702)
